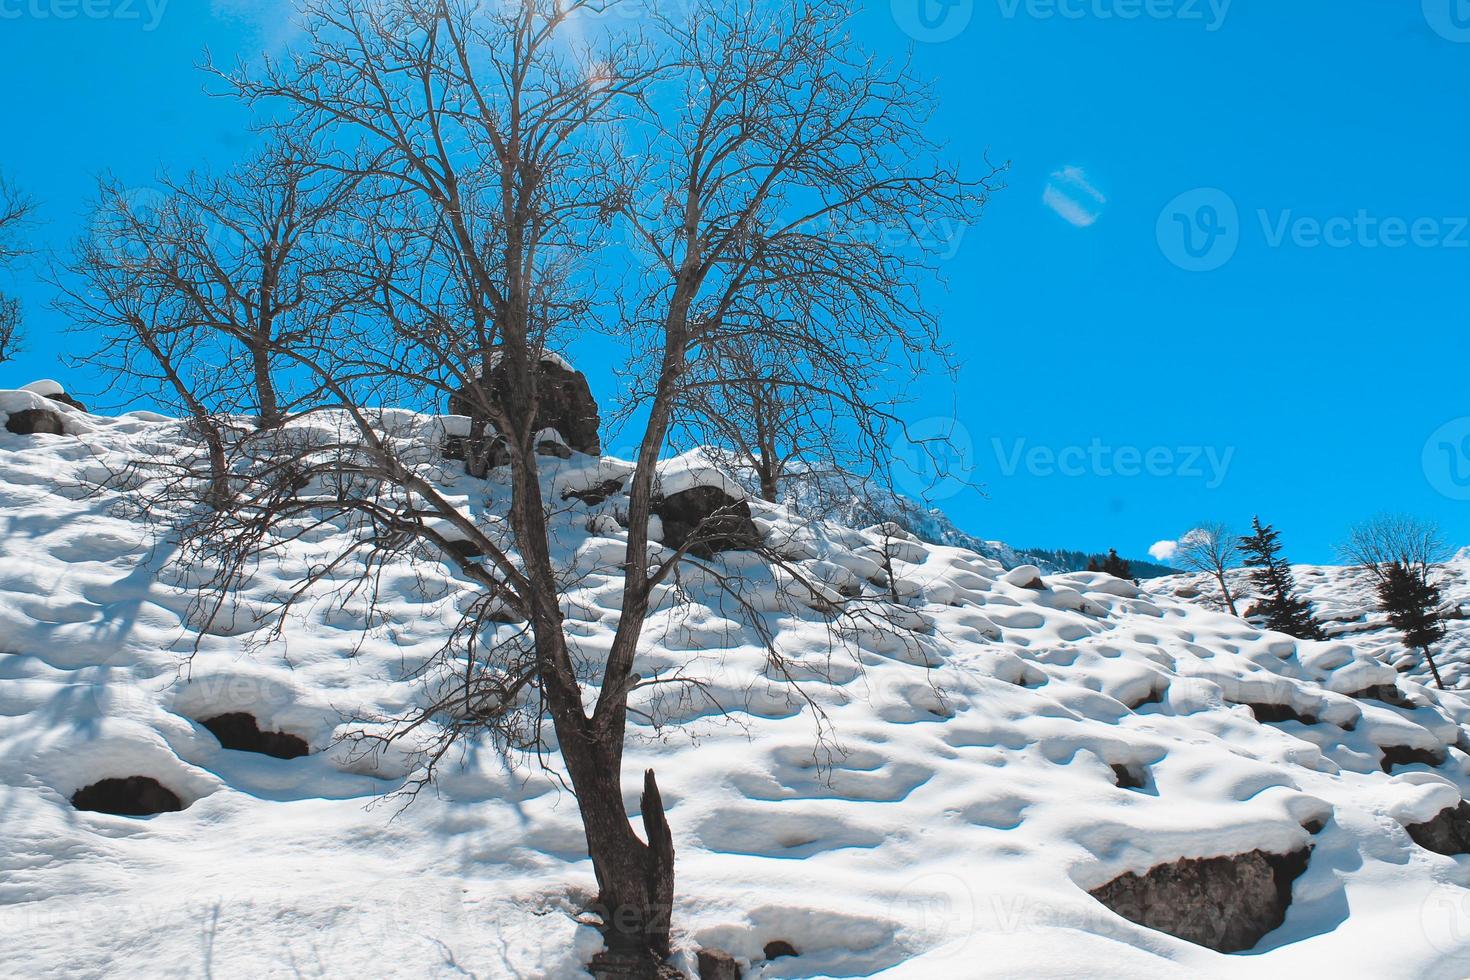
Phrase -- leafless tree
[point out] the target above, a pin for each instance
(1381, 542)
(16, 210)
(747, 151)
(792, 246)
(1212, 549)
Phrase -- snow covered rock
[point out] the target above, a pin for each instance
(1448, 833)
(1224, 903)
(565, 406)
(708, 519)
(130, 796)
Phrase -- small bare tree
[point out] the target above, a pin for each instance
(748, 150)
(15, 211)
(1380, 543)
(1211, 549)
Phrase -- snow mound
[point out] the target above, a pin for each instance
(1030, 742)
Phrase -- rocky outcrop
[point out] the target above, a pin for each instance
(1448, 833)
(66, 399)
(241, 732)
(1408, 755)
(777, 948)
(716, 964)
(708, 519)
(565, 405)
(35, 421)
(133, 796)
(1225, 903)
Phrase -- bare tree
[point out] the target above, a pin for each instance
(488, 159)
(1212, 549)
(788, 257)
(1382, 542)
(16, 210)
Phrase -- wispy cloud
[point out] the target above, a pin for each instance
(1071, 195)
(1163, 550)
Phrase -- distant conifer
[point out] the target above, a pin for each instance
(1285, 611)
(1412, 603)
(1117, 567)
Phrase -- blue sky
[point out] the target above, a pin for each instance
(1302, 353)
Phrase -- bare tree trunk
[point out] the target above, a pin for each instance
(1225, 588)
(1434, 669)
(265, 388)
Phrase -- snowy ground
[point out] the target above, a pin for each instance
(1344, 602)
(957, 833)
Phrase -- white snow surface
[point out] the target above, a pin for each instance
(953, 830)
(1344, 602)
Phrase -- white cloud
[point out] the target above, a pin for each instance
(1163, 550)
(1071, 195)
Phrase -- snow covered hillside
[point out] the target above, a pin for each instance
(1347, 607)
(1037, 739)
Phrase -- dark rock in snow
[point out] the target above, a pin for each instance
(592, 496)
(134, 796)
(1448, 833)
(1385, 693)
(716, 964)
(1280, 713)
(1404, 755)
(614, 966)
(777, 948)
(1227, 904)
(566, 405)
(66, 399)
(710, 518)
(465, 549)
(1130, 777)
(35, 421)
(241, 732)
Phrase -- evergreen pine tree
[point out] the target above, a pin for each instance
(1285, 611)
(1412, 603)
(1117, 567)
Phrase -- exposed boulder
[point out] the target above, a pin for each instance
(1386, 694)
(241, 732)
(35, 421)
(566, 406)
(53, 390)
(1407, 755)
(708, 519)
(133, 796)
(1227, 904)
(777, 948)
(594, 495)
(66, 399)
(1448, 833)
(716, 964)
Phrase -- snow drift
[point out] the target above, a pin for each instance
(1042, 738)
